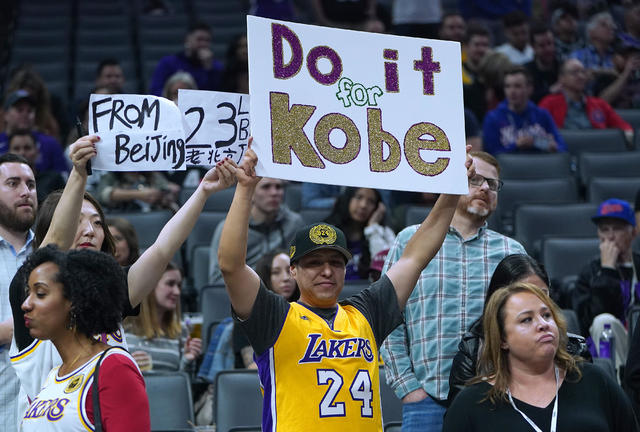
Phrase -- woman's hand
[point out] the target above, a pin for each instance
(192, 348)
(219, 177)
(143, 359)
(378, 214)
(82, 151)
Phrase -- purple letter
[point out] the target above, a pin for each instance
(281, 70)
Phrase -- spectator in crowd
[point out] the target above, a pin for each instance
(360, 213)
(272, 226)
(597, 55)
(518, 125)
(525, 367)
(486, 91)
(607, 286)
(177, 81)
(20, 113)
(355, 15)
(472, 130)
(144, 191)
(236, 73)
(417, 18)
(109, 75)
(18, 206)
(125, 240)
(196, 59)
(158, 339)
(453, 28)
(516, 29)
(573, 109)
(564, 23)
(274, 269)
(288, 337)
(71, 297)
(75, 220)
(24, 144)
(477, 42)
(621, 90)
(51, 115)
(632, 25)
(544, 67)
(512, 269)
(418, 355)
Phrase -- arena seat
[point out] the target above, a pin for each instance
(199, 267)
(393, 427)
(147, 225)
(534, 166)
(391, 405)
(237, 400)
(603, 188)
(616, 164)
(631, 116)
(565, 256)
(313, 215)
(215, 306)
(594, 140)
(170, 400)
(533, 222)
(415, 214)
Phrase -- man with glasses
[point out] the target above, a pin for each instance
(448, 297)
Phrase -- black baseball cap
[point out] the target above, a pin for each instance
(318, 236)
(17, 96)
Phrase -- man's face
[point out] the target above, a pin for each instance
(518, 36)
(18, 201)
(25, 146)
(544, 47)
(618, 232)
(574, 76)
(197, 40)
(516, 90)
(477, 48)
(453, 28)
(480, 202)
(320, 277)
(566, 25)
(21, 116)
(604, 31)
(268, 196)
(112, 78)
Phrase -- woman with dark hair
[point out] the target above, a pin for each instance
(157, 337)
(125, 239)
(359, 213)
(77, 222)
(528, 381)
(512, 268)
(72, 296)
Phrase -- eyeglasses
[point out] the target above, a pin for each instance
(494, 184)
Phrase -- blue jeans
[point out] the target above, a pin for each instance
(423, 416)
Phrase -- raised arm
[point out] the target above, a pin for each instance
(425, 243)
(147, 270)
(241, 281)
(64, 223)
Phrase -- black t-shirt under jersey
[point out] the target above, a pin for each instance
(378, 304)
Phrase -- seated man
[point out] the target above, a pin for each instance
(573, 109)
(608, 286)
(516, 29)
(518, 125)
(272, 226)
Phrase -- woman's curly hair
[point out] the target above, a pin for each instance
(92, 281)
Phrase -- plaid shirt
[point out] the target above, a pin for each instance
(591, 59)
(449, 296)
(10, 261)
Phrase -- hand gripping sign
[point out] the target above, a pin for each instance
(354, 108)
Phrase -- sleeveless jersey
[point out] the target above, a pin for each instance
(33, 364)
(61, 404)
(320, 376)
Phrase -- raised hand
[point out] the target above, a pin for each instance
(378, 214)
(82, 151)
(468, 163)
(247, 172)
(220, 177)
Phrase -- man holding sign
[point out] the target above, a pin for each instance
(317, 359)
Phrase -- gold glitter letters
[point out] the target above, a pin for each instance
(413, 143)
(377, 138)
(321, 136)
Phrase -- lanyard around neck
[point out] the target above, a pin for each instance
(554, 415)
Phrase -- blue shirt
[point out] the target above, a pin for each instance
(207, 79)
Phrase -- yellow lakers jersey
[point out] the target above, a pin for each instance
(321, 376)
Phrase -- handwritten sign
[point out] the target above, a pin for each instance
(216, 125)
(353, 108)
(138, 133)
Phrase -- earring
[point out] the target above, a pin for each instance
(72, 321)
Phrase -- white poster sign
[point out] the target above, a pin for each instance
(216, 125)
(353, 108)
(137, 133)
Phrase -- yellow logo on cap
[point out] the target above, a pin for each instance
(292, 251)
(74, 384)
(322, 234)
